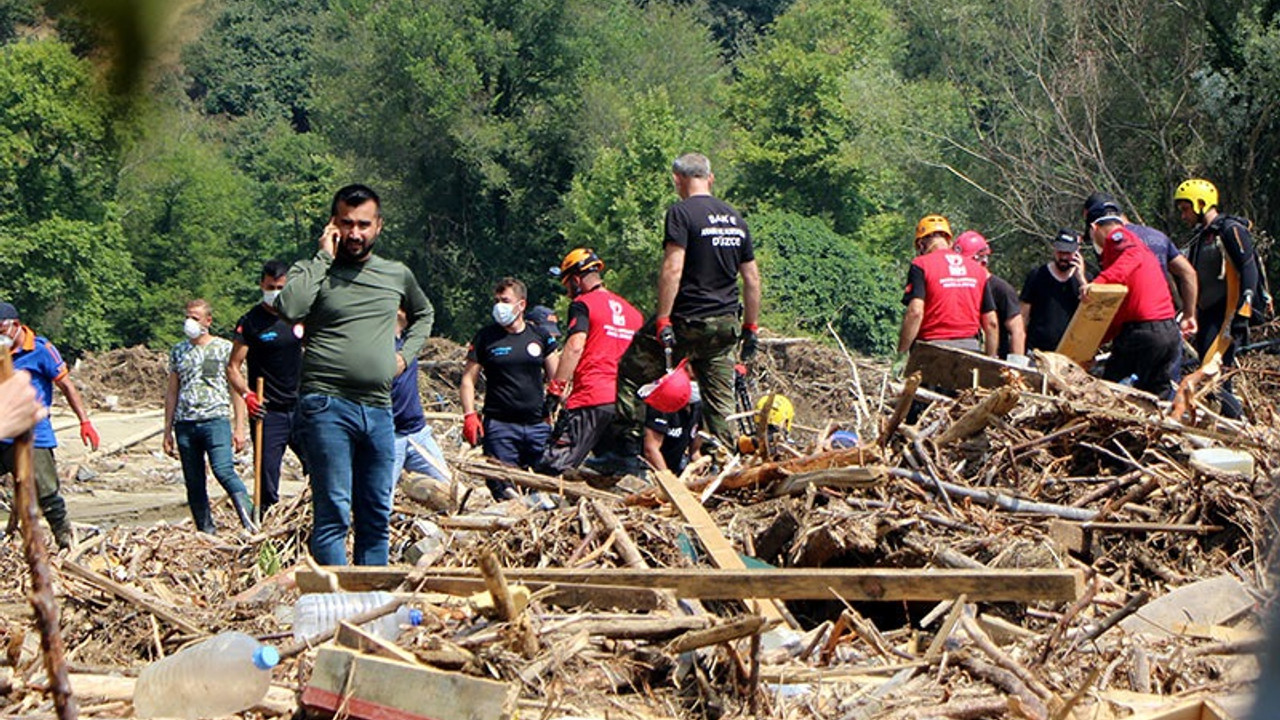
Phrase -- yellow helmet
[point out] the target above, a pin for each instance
(1200, 193)
(580, 261)
(930, 224)
(781, 411)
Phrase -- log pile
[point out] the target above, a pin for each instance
(590, 603)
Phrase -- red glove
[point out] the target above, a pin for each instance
(666, 335)
(472, 428)
(88, 435)
(253, 403)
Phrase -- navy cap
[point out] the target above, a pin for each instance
(1099, 206)
(8, 311)
(545, 317)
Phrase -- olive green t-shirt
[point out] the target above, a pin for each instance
(349, 312)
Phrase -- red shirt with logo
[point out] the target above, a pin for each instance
(610, 323)
(1126, 260)
(955, 293)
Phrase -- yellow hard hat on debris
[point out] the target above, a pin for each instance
(781, 411)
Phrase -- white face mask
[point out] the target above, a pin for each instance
(192, 328)
(269, 296)
(504, 314)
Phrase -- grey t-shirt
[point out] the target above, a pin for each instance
(202, 380)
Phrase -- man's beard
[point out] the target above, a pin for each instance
(345, 254)
(1064, 267)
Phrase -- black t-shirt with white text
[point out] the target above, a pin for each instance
(716, 241)
(275, 354)
(1053, 302)
(513, 371)
(677, 429)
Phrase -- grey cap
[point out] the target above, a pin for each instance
(1066, 240)
(8, 311)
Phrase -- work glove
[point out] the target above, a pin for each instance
(88, 435)
(472, 428)
(253, 403)
(666, 334)
(899, 365)
(750, 343)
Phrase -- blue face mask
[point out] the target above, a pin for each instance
(504, 314)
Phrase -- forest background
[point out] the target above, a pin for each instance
(153, 151)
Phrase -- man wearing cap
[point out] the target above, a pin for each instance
(948, 297)
(1051, 293)
(1013, 334)
(1144, 335)
(40, 359)
(671, 439)
(706, 248)
(517, 358)
(601, 327)
(272, 348)
(546, 318)
(1178, 271)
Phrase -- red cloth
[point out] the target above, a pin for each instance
(953, 295)
(611, 323)
(1126, 260)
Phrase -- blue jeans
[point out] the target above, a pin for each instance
(349, 448)
(196, 439)
(408, 457)
(277, 434)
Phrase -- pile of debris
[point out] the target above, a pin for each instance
(1047, 546)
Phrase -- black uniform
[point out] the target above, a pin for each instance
(1053, 303)
(275, 355)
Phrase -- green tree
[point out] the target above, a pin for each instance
(813, 276)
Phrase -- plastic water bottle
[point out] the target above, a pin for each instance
(1130, 381)
(316, 613)
(225, 674)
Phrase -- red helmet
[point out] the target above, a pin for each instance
(669, 393)
(972, 245)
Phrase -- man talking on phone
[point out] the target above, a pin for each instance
(347, 298)
(1051, 293)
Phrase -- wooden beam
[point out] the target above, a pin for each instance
(722, 554)
(950, 368)
(134, 597)
(853, 584)
(1090, 322)
(565, 595)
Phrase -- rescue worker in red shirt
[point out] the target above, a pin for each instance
(601, 326)
(1013, 334)
(1144, 335)
(948, 296)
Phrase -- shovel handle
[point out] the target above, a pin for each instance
(666, 351)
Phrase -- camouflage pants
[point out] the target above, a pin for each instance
(710, 344)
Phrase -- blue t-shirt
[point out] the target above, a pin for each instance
(406, 403)
(39, 357)
(1161, 246)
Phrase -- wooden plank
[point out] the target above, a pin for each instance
(351, 636)
(134, 597)
(565, 595)
(1079, 537)
(722, 554)
(854, 584)
(1090, 322)
(950, 368)
(377, 688)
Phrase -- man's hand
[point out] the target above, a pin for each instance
(666, 334)
(239, 439)
(88, 435)
(253, 404)
(1084, 292)
(329, 239)
(472, 428)
(750, 343)
(400, 364)
(555, 396)
(170, 448)
(1189, 326)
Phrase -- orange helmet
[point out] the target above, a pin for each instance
(579, 261)
(930, 224)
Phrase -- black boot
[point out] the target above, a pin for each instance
(244, 509)
(204, 521)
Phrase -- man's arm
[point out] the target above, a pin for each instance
(669, 278)
(421, 316)
(467, 388)
(1238, 245)
(1025, 309)
(76, 403)
(653, 448)
(750, 292)
(235, 378)
(911, 320)
(1184, 276)
(305, 279)
(170, 406)
(570, 356)
(990, 333)
(549, 365)
(1017, 334)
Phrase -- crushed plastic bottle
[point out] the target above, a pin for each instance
(225, 674)
(317, 613)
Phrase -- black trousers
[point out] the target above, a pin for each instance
(1147, 350)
